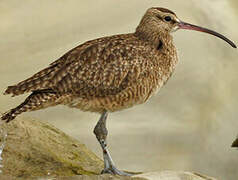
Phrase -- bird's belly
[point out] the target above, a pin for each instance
(125, 99)
(110, 104)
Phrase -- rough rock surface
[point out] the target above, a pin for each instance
(37, 150)
(174, 175)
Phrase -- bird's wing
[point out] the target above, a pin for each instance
(100, 69)
(42, 79)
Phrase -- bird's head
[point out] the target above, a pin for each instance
(159, 20)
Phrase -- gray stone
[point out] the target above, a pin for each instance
(173, 175)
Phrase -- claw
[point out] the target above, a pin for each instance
(114, 171)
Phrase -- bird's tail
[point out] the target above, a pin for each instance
(38, 81)
(37, 100)
(10, 115)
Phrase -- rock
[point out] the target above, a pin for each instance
(34, 148)
(37, 150)
(173, 175)
(164, 175)
(100, 177)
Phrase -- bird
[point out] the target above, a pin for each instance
(108, 74)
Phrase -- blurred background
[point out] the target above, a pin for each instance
(189, 125)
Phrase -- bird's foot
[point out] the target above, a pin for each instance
(114, 171)
(101, 132)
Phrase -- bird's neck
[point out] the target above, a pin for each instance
(162, 41)
(155, 38)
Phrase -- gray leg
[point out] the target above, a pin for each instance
(101, 132)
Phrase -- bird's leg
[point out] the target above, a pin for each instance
(101, 132)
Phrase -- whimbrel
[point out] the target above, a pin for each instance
(108, 74)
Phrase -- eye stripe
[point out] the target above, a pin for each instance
(158, 16)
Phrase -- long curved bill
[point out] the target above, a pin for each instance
(184, 25)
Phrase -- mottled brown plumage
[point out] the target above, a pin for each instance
(108, 74)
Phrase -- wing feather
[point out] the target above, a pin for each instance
(101, 67)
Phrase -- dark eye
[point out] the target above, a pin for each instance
(167, 18)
